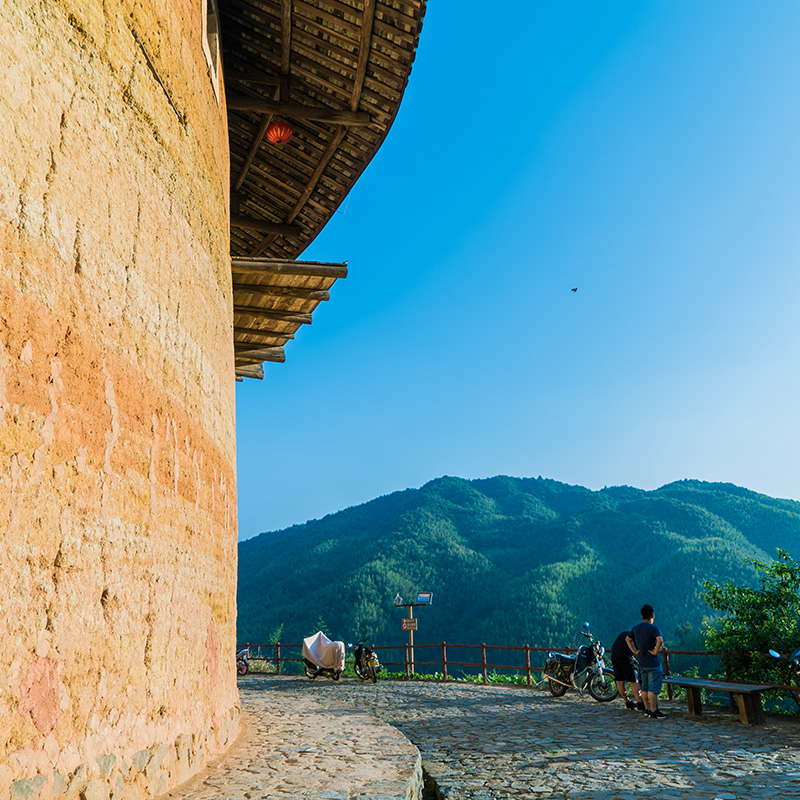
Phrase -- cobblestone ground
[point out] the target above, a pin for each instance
(295, 746)
(492, 743)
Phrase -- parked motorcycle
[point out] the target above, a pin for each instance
(584, 671)
(321, 656)
(366, 663)
(794, 666)
(243, 660)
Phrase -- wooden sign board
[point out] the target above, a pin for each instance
(409, 624)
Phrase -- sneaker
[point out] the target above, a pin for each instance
(640, 707)
(657, 714)
(630, 705)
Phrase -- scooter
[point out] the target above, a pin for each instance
(366, 663)
(583, 671)
(243, 660)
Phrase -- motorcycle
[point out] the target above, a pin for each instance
(794, 667)
(585, 670)
(366, 664)
(321, 656)
(243, 660)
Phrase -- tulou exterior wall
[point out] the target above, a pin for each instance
(117, 451)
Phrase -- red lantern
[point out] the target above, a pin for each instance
(279, 132)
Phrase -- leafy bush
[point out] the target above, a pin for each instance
(756, 620)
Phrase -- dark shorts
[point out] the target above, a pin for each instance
(623, 670)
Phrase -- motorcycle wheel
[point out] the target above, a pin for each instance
(603, 687)
(241, 667)
(336, 675)
(556, 689)
(310, 673)
(372, 675)
(362, 673)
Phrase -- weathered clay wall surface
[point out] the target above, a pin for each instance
(117, 454)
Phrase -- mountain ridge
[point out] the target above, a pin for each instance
(510, 560)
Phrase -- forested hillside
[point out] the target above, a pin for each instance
(509, 560)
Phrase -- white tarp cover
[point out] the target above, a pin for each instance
(323, 652)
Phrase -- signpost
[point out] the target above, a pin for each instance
(409, 623)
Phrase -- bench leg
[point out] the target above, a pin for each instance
(750, 710)
(695, 699)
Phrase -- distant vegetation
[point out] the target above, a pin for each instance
(511, 561)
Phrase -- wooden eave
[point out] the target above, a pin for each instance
(335, 70)
(272, 298)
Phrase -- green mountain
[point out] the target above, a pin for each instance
(509, 560)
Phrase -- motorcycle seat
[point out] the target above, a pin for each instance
(561, 658)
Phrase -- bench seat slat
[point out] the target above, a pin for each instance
(722, 686)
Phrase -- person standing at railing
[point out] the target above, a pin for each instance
(622, 662)
(645, 642)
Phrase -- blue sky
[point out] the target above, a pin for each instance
(644, 152)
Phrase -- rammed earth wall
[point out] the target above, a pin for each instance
(117, 454)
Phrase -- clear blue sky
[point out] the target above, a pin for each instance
(644, 152)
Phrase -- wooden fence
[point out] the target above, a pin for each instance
(442, 659)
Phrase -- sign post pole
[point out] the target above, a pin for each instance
(410, 624)
(411, 635)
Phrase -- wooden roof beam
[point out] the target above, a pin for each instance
(270, 333)
(251, 76)
(282, 291)
(264, 225)
(268, 313)
(332, 116)
(286, 36)
(367, 22)
(250, 371)
(260, 354)
(241, 265)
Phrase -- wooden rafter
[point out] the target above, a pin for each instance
(286, 36)
(259, 354)
(277, 266)
(333, 116)
(269, 333)
(367, 22)
(264, 225)
(252, 152)
(250, 371)
(268, 313)
(259, 290)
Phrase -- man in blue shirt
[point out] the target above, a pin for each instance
(646, 641)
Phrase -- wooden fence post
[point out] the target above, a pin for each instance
(528, 663)
(278, 658)
(667, 672)
(408, 664)
(444, 660)
(483, 662)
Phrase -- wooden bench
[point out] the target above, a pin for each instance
(748, 696)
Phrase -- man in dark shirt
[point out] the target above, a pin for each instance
(622, 663)
(646, 641)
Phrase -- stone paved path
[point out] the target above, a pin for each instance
(293, 746)
(499, 743)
